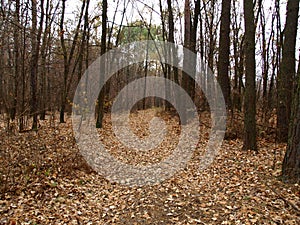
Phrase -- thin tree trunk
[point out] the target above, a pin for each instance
(265, 66)
(35, 42)
(250, 93)
(167, 68)
(21, 121)
(224, 52)
(146, 70)
(291, 162)
(68, 57)
(186, 60)
(16, 60)
(100, 103)
(238, 58)
(44, 48)
(193, 48)
(173, 50)
(287, 71)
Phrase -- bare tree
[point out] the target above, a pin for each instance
(250, 93)
(291, 162)
(68, 73)
(35, 45)
(287, 70)
(16, 59)
(238, 54)
(100, 103)
(45, 47)
(224, 52)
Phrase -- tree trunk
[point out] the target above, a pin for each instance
(44, 47)
(291, 162)
(193, 48)
(35, 42)
(16, 60)
(84, 42)
(287, 71)
(224, 52)
(173, 53)
(100, 103)
(265, 48)
(23, 72)
(211, 32)
(186, 60)
(68, 57)
(238, 61)
(250, 93)
(66, 71)
(167, 68)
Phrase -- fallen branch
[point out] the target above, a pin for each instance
(288, 202)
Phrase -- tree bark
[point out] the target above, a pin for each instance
(100, 103)
(68, 57)
(186, 60)
(16, 60)
(44, 47)
(250, 93)
(193, 48)
(35, 45)
(173, 53)
(224, 52)
(287, 71)
(291, 162)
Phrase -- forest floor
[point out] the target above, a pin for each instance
(45, 180)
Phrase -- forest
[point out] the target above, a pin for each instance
(149, 112)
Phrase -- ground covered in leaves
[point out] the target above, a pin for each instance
(45, 180)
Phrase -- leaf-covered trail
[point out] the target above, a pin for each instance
(44, 180)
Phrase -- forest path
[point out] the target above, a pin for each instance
(44, 180)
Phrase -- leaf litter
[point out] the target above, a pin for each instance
(45, 180)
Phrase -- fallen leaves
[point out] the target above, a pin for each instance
(44, 180)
